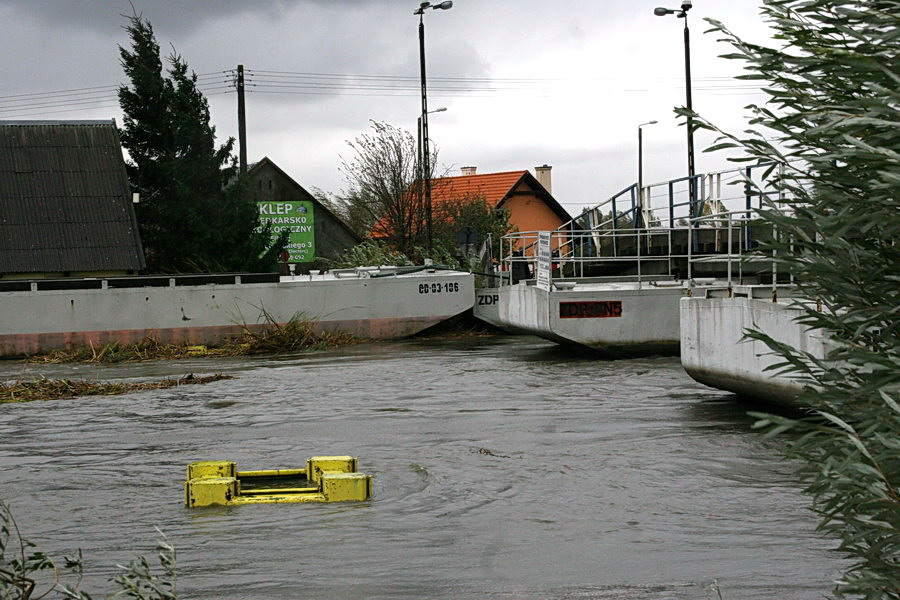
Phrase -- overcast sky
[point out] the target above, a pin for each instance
(525, 82)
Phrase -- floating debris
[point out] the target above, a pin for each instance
(54, 389)
(298, 334)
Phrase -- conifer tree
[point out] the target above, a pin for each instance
(194, 213)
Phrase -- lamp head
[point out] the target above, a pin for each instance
(446, 5)
(686, 5)
(659, 11)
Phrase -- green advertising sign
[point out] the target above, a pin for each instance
(295, 217)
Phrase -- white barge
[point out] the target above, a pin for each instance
(624, 304)
(715, 352)
(368, 302)
(613, 317)
(611, 280)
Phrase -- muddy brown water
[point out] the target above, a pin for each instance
(505, 467)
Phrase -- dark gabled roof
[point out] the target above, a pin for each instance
(65, 202)
(268, 162)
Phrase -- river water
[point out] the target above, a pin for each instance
(504, 467)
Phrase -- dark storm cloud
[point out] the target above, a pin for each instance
(482, 47)
(69, 43)
(181, 16)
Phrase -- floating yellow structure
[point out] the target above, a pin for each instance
(325, 479)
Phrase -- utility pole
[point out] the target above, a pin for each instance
(685, 6)
(682, 14)
(426, 158)
(242, 120)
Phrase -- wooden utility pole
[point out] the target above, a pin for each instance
(242, 120)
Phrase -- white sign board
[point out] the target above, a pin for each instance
(544, 258)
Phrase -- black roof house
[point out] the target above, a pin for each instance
(333, 237)
(65, 202)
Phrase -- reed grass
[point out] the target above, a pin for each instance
(296, 335)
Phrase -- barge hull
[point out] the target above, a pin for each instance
(614, 319)
(39, 321)
(715, 353)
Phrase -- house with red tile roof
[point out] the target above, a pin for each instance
(526, 197)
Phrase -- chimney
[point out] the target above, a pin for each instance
(465, 171)
(542, 174)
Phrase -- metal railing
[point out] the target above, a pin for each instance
(640, 254)
(744, 255)
(666, 203)
(668, 238)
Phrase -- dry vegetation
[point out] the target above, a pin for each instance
(296, 335)
(53, 389)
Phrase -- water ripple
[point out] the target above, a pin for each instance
(504, 468)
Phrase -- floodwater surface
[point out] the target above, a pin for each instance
(504, 467)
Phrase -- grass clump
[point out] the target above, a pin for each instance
(148, 348)
(298, 334)
(370, 253)
(276, 338)
(54, 389)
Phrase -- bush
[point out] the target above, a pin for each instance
(832, 123)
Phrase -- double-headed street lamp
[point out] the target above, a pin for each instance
(639, 217)
(421, 174)
(423, 128)
(419, 136)
(682, 14)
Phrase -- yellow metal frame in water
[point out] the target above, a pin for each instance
(325, 479)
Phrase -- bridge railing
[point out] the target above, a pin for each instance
(637, 253)
(740, 255)
(671, 203)
(657, 218)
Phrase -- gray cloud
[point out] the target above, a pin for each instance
(174, 17)
(604, 67)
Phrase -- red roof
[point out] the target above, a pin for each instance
(494, 187)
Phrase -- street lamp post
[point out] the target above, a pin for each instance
(420, 171)
(639, 217)
(682, 14)
(426, 167)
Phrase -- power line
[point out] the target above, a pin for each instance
(73, 100)
(310, 83)
(264, 81)
(201, 78)
(483, 79)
